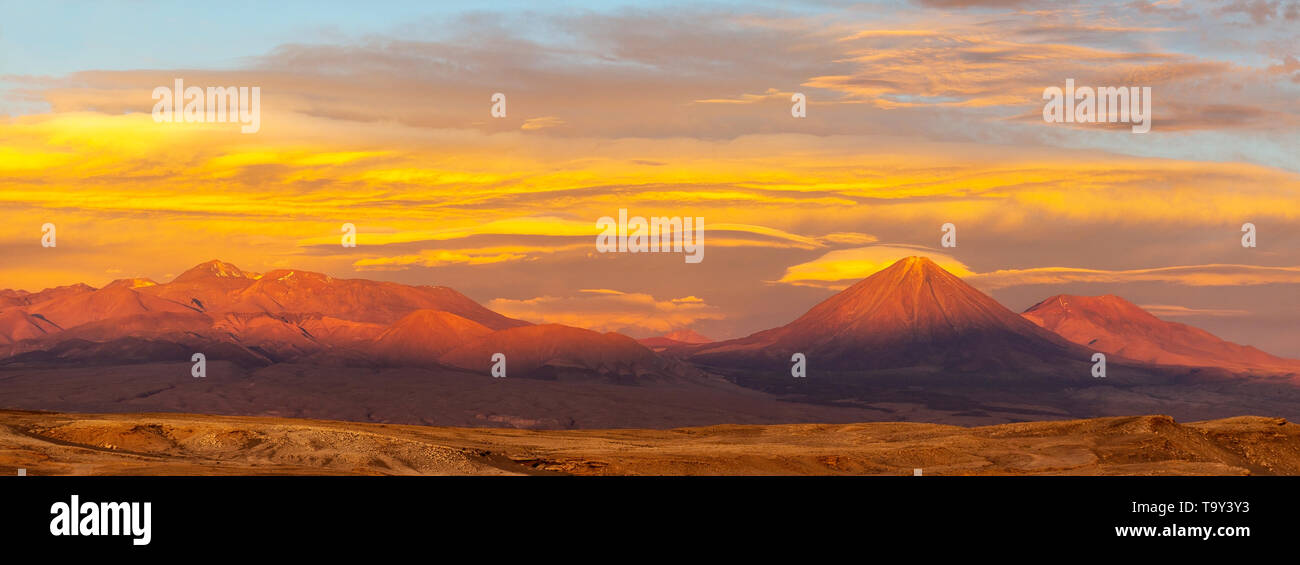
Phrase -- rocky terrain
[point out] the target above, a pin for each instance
(187, 444)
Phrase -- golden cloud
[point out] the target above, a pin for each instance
(610, 310)
(1190, 275)
(841, 268)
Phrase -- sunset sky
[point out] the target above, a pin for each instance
(919, 114)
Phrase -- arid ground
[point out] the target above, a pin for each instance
(46, 443)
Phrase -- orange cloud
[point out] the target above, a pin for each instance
(841, 268)
(1190, 275)
(1174, 311)
(609, 310)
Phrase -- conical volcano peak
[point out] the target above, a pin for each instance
(912, 273)
(913, 312)
(914, 262)
(914, 296)
(915, 266)
(926, 265)
(214, 268)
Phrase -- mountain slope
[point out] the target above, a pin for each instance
(554, 350)
(17, 325)
(23, 298)
(687, 336)
(422, 336)
(106, 303)
(357, 299)
(672, 341)
(1116, 326)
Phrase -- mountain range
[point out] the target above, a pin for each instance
(912, 313)
(910, 325)
(915, 314)
(295, 316)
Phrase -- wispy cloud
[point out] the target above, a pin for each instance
(840, 268)
(611, 310)
(1174, 311)
(1190, 275)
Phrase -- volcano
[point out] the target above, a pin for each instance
(282, 315)
(218, 287)
(1116, 326)
(206, 287)
(910, 314)
(357, 299)
(289, 316)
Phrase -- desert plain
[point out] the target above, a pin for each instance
(51, 443)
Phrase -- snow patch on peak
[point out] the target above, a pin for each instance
(226, 270)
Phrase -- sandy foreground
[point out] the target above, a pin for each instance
(47, 443)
